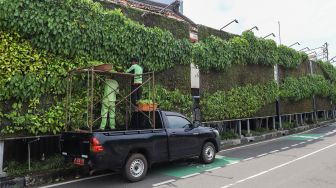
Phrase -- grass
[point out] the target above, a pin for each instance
(228, 135)
(16, 169)
(287, 126)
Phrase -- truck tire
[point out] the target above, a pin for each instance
(208, 153)
(136, 167)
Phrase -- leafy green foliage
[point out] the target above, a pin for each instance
(180, 30)
(238, 102)
(304, 87)
(215, 53)
(173, 100)
(228, 135)
(261, 51)
(205, 32)
(26, 73)
(289, 57)
(212, 53)
(34, 121)
(287, 125)
(73, 28)
(329, 69)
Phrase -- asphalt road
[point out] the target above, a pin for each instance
(301, 160)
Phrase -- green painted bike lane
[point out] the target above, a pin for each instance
(181, 171)
(304, 136)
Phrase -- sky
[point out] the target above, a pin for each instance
(309, 22)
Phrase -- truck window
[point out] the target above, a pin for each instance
(177, 122)
(139, 121)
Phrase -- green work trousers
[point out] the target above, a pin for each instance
(108, 107)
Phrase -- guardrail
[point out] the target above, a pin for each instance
(275, 121)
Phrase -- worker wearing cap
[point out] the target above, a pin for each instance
(111, 89)
(137, 70)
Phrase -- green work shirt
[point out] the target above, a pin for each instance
(138, 73)
(110, 90)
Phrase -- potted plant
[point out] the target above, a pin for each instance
(147, 105)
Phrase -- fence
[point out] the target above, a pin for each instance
(270, 122)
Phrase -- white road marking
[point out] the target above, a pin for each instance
(284, 148)
(164, 182)
(211, 169)
(262, 154)
(78, 180)
(240, 181)
(294, 145)
(269, 140)
(274, 151)
(227, 186)
(232, 163)
(279, 166)
(190, 175)
(248, 159)
(301, 142)
(309, 140)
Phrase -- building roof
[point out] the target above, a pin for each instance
(169, 10)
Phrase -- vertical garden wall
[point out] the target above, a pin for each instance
(237, 81)
(290, 106)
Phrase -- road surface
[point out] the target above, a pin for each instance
(301, 160)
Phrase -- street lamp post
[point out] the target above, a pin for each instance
(297, 43)
(332, 59)
(255, 27)
(303, 49)
(233, 21)
(272, 34)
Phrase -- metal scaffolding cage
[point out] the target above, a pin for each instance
(94, 76)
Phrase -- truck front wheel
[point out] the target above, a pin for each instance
(208, 153)
(136, 167)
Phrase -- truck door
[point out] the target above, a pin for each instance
(182, 137)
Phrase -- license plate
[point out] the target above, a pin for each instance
(79, 161)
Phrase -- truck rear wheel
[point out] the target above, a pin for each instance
(208, 153)
(136, 167)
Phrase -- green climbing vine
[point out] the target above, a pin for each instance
(304, 87)
(75, 28)
(215, 53)
(238, 102)
(329, 69)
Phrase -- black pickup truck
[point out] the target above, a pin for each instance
(134, 151)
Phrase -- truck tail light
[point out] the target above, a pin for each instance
(96, 147)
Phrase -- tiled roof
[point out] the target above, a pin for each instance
(172, 11)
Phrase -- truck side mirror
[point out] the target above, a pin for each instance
(190, 126)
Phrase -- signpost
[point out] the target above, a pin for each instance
(195, 81)
(2, 148)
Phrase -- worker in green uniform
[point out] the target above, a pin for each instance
(111, 89)
(137, 70)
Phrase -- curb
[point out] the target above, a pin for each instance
(226, 144)
(45, 177)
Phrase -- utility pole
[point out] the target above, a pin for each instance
(326, 51)
(279, 32)
(276, 78)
